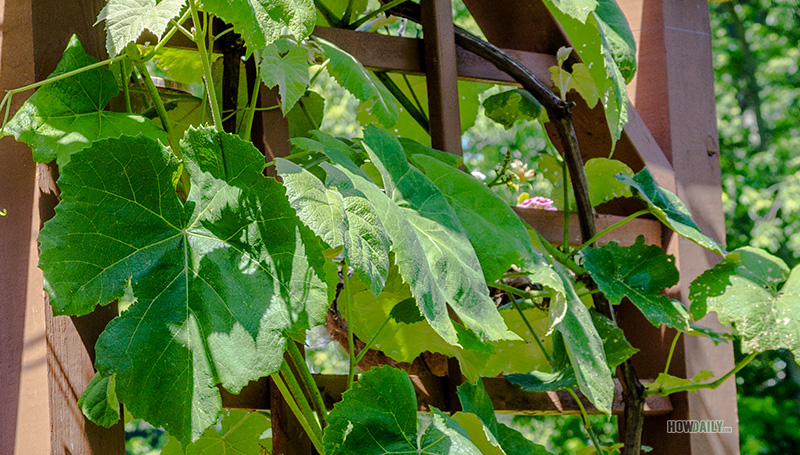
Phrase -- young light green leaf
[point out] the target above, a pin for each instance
(496, 232)
(99, 402)
(347, 221)
(126, 20)
(507, 107)
(753, 264)
(352, 75)
(289, 72)
(667, 381)
(603, 184)
(753, 302)
(378, 415)
(669, 209)
(220, 280)
(404, 340)
(640, 272)
(443, 250)
(477, 432)
(239, 432)
(306, 115)
(262, 22)
(67, 115)
(580, 80)
(585, 348)
(474, 399)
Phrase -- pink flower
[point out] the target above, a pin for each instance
(539, 203)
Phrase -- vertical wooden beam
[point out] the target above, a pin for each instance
(442, 75)
(44, 360)
(675, 97)
(270, 131)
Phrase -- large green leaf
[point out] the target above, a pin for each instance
(497, 234)
(67, 115)
(432, 250)
(378, 415)
(262, 22)
(405, 340)
(306, 115)
(474, 399)
(754, 264)
(617, 37)
(220, 279)
(347, 221)
(753, 302)
(289, 72)
(352, 75)
(669, 209)
(578, 9)
(239, 432)
(99, 401)
(127, 19)
(507, 107)
(640, 272)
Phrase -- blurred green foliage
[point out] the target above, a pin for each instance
(756, 55)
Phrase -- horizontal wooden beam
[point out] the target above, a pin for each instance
(432, 391)
(549, 225)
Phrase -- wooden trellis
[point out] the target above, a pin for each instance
(46, 361)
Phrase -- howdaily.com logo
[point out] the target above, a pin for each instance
(697, 426)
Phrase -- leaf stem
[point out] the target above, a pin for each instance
(135, 56)
(300, 398)
(315, 439)
(308, 381)
(327, 14)
(409, 106)
(530, 327)
(368, 17)
(348, 308)
(565, 184)
(522, 293)
(250, 112)
(671, 352)
(199, 38)
(616, 225)
(564, 259)
(707, 385)
(347, 13)
(371, 341)
(586, 424)
(126, 93)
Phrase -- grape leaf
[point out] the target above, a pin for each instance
(543, 381)
(413, 147)
(289, 72)
(507, 107)
(67, 115)
(127, 19)
(477, 432)
(442, 262)
(580, 80)
(347, 221)
(220, 279)
(99, 402)
(600, 175)
(474, 399)
(378, 415)
(753, 264)
(352, 75)
(615, 345)
(262, 22)
(669, 209)
(640, 272)
(753, 302)
(404, 340)
(238, 432)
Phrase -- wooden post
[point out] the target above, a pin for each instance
(45, 361)
(675, 97)
(441, 72)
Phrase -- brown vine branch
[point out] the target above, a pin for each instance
(559, 112)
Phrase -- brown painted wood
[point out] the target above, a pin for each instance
(549, 225)
(270, 133)
(675, 98)
(441, 75)
(518, 24)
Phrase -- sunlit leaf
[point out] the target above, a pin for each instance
(126, 20)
